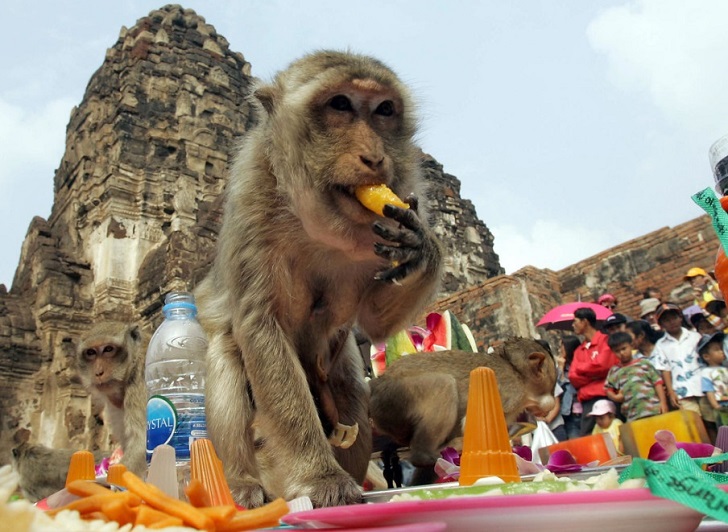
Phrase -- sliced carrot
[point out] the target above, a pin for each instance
(170, 521)
(148, 516)
(197, 494)
(265, 516)
(156, 498)
(93, 503)
(95, 516)
(118, 510)
(219, 514)
(85, 488)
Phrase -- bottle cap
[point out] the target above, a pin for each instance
(81, 467)
(486, 446)
(718, 155)
(179, 300)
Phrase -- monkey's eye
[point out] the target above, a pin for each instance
(89, 353)
(341, 103)
(386, 108)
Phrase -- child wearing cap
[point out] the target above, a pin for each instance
(635, 383)
(714, 377)
(606, 421)
(676, 356)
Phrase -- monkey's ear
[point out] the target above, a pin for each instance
(135, 333)
(267, 95)
(536, 361)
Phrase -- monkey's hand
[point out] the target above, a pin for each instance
(410, 246)
(336, 488)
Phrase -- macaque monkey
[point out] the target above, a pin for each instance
(110, 361)
(299, 263)
(43, 470)
(420, 401)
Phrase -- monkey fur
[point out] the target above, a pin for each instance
(300, 262)
(42, 470)
(421, 399)
(110, 361)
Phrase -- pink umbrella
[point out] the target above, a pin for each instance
(562, 317)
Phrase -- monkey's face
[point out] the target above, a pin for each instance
(539, 371)
(334, 132)
(97, 362)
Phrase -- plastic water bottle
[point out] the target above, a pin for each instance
(175, 377)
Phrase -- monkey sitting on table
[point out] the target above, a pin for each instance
(43, 470)
(421, 399)
(110, 361)
(300, 261)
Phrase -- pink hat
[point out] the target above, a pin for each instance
(603, 406)
(606, 297)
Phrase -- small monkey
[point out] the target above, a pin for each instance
(110, 360)
(300, 262)
(421, 399)
(42, 470)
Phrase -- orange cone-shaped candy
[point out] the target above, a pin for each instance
(81, 467)
(114, 473)
(486, 446)
(207, 468)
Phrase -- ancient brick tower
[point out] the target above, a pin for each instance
(136, 210)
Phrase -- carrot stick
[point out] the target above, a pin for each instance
(93, 503)
(148, 516)
(197, 494)
(265, 516)
(156, 498)
(219, 514)
(95, 516)
(85, 488)
(117, 510)
(164, 523)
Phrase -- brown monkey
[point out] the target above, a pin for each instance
(300, 262)
(110, 360)
(421, 399)
(42, 470)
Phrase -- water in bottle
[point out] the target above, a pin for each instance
(175, 377)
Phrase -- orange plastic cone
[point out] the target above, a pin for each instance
(486, 445)
(114, 473)
(81, 467)
(207, 468)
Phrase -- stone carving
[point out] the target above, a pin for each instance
(137, 206)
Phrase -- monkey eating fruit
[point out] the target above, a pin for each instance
(375, 197)
(300, 261)
(110, 361)
(421, 399)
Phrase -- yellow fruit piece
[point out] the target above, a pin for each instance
(375, 197)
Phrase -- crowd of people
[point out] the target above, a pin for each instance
(621, 369)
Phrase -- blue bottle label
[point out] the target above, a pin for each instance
(166, 425)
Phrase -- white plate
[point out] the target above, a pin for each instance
(613, 510)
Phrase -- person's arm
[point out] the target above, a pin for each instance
(599, 366)
(615, 396)
(711, 399)
(671, 395)
(660, 389)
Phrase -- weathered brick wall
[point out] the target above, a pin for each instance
(511, 304)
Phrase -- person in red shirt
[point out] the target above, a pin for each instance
(592, 361)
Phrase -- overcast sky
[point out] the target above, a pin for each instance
(573, 126)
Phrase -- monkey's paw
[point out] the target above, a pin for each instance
(335, 489)
(248, 492)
